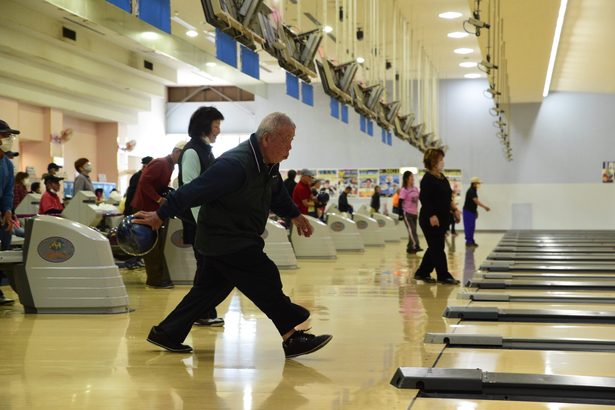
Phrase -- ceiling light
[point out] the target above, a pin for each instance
(149, 35)
(449, 15)
(472, 76)
(360, 60)
(556, 37)
(468, 64)
(211, 64)
(327, 29)
(457, 34)
(463, 50)
(192, 33)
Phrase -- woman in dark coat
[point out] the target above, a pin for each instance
(434, 217)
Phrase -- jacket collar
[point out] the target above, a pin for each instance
(258, 157)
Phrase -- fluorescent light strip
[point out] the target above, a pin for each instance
(556, 38)
(183, 23)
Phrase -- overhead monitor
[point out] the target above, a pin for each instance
(328, 77)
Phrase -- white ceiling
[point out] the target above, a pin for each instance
(527, 26)
(430, 30)
(586, 61)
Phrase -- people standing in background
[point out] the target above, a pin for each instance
(132, 186)
(342, 202)
(52, 169)
(82, 180)
(196, 158)
(470, 211)
(409, 205)
(7, 180)
(302, 194)
(435, 197)
(100, 195)
(20, 189)
(50, 201)
(151, 190)
(395, 204)
(375, 201)
(290, 183)
(452, 220)
(35, 188)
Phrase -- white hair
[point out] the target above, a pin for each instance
(273, 122)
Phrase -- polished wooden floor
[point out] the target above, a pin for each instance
(377, 314)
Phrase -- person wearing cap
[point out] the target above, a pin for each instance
(470, 211)
(302, 194)
(7, 182)
(196, 158)
(132, 186)
(52, 169)
(150, 194)
(11, 154)
(50, 201)
(83, 181)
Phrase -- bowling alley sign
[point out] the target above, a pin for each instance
(56, 249)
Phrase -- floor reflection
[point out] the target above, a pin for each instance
(377, 314)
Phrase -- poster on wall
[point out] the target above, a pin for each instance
(608, 172)
(329, 180)
(348, 177)
(368, 179)
(453, 176)
(389, 181)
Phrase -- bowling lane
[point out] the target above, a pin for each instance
(547, 306)
(529, 361)
(455, 404)
(534, 331)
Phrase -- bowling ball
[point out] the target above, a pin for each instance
(135, 239)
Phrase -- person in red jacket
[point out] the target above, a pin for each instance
(50, 201)
(302, 194)
(150, 194)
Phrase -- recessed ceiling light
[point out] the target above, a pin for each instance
(360, 60)
(463, 50)
(192, 33)
(457, 34)
(327, 29)
(149, 35)
(449, 15)
(211, 64)
(472, 76)
(468, 64)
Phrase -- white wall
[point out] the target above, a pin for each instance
(322, 141)
(558, 149)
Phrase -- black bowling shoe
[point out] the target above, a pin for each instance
(301, 342)
(159, 338)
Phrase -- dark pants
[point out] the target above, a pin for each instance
(469, 225)
(453, 223)
(250, 271)
(413, 239)
(210, 314)
(434, 256)
(155, 264)
(5, 239)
